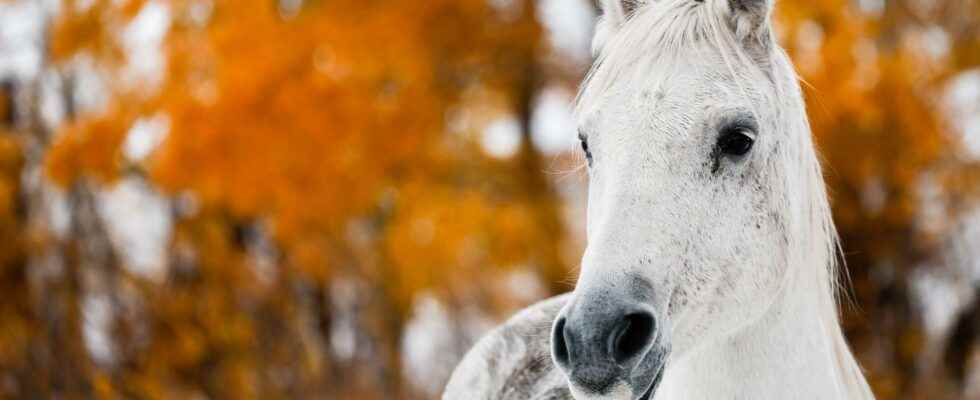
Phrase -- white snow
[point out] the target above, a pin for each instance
(502, 137)
(143, 39)
(20, 34)
(139, 224)
(554, 129)
(963, 103)
(569, 27)
(144, 137)
(97, 319)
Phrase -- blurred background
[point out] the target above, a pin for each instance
(217, 199)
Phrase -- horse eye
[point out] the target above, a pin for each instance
(735, 142)
(584, 141)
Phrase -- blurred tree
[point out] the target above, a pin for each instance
(312, 141)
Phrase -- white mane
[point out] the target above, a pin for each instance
(660, 31)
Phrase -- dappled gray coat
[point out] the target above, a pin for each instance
(513, 362)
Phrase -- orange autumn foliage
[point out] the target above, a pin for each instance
(323, 169)
(325, 128)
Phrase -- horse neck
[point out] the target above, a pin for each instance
(795, 351)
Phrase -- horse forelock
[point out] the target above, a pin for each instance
(659, 33)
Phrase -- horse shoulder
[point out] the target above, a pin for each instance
(513, 362)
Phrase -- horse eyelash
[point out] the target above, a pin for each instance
(584, 141)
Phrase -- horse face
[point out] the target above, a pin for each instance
(686, 243)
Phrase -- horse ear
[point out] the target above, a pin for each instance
(614, 14)
(751, 20)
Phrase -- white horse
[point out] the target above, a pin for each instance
(710, 271)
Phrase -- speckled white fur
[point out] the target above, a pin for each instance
(741, 260)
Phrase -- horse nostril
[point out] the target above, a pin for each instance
(631, 336)
(559, 347)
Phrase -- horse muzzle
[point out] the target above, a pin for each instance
(609, 348)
